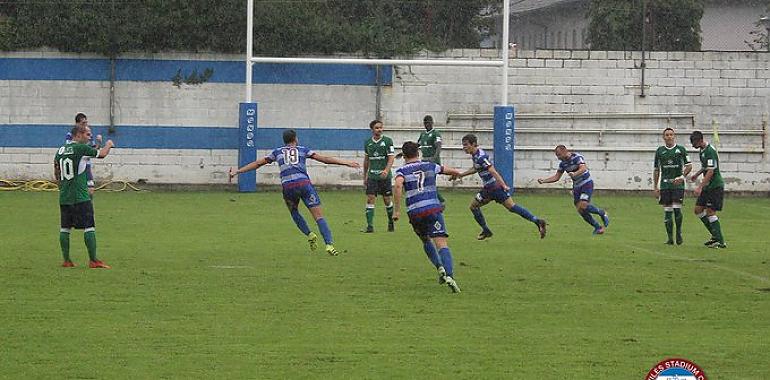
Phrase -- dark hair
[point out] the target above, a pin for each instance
(427, 119)
(668, 129)
(80, 117)
(470, 139)
(559, 147)
(373, 123)
(696, 136)
(289, 135)
(410, 149)
(77, 129)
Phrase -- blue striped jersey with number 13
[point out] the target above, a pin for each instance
(292, 162)
(420, 187)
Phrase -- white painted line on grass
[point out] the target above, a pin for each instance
(705, 263)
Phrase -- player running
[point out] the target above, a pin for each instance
(417, 179)
(495, 189)
(672, 165)
(582, 186)
(291, 159)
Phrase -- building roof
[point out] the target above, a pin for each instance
(522, 6)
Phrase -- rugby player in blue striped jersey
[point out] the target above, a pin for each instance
(494, 189)
(582, 186)
(292, 158)
(416, 181)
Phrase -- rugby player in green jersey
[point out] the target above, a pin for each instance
(430, 145)
(379, 155)
(710, 190)
(672, 165)
(77, 210)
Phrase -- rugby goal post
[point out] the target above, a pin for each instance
(503, 112)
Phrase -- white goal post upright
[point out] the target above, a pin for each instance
(503, 135)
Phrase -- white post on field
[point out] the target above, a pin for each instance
(506, 30)
(249, 46)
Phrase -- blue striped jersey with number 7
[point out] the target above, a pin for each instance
(420, 187)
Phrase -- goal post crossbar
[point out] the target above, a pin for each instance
(366, 61)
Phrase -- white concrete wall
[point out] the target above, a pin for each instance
(731, 89)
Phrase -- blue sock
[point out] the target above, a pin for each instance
(524, 213)
(589, 219)
(446, 259)
(479, 219)
(430, 250)
(325, 231)
(594, 210)
(300, 221)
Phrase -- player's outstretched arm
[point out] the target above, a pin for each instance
(397, 192)
(466, 173)
(335, 161)
(552, 178)
(106, 149)
(248, 167)
(455, 173)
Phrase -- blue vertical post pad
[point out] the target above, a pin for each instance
(504, 142)
(247, 147)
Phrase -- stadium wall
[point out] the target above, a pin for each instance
(590, 101)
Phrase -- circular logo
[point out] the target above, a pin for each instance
(676, 369)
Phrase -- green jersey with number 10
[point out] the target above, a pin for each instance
(73, 181)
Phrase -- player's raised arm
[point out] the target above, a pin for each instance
(552, 178)
(106, 149)
(248, 167)
(335, 161)
(397, 192)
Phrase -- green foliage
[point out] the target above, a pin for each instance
(672, 25)
(378, 27)
(759, 36)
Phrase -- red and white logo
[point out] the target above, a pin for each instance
(676, 369)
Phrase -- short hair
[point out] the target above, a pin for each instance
(696, 136)
(668, 129)
(410, 149)
(373, 123)
(80, 117)
(470, 139)
(78, 129)
(289, 135)
(559, 147)
(427, 119)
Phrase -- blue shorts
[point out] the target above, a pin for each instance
(306, 193)
(431, 225)
(497, 194)
(89, 175)
(583, 192)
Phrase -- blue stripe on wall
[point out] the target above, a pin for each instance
(164, 70)
(150, 137)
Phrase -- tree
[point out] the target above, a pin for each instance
(760, 38)
(671, 25)
(373, 27)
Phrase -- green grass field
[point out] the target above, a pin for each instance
(221, 285)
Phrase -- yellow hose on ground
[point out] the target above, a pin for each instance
(43, 185)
